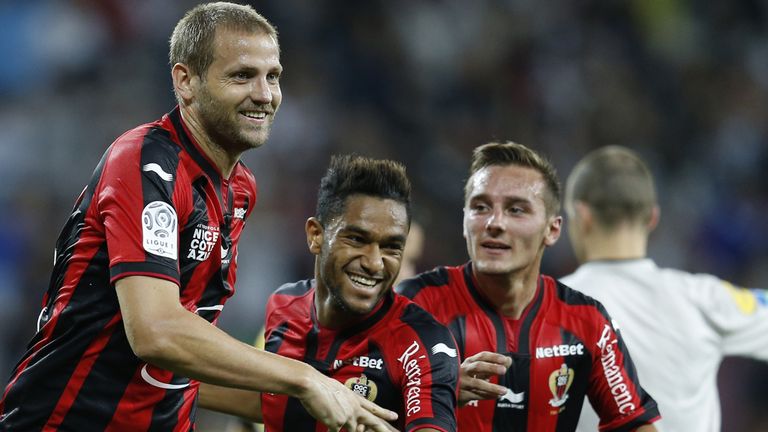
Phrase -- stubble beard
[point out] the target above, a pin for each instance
(223, 129)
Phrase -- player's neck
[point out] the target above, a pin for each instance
(223, 160)
(623, 243)
(510, 294)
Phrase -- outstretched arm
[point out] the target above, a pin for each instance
(165, 334)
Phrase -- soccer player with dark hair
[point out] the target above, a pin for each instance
(148, 258)
(532, 348)
(678, 325)
(347, 322)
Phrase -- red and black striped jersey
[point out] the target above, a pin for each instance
(564, 347)
(155, 206)
(398, 356)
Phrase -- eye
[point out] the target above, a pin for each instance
(241, 76)
(273, 77)
(356, 239)
(393, 248)
(478, 207)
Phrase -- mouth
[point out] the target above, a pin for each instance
(257, 116)
(494, 246)
(364, 282)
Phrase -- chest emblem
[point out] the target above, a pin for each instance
(204, 238)
(560, 381)
(363, 386)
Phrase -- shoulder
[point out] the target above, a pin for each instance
(414, 320)
(436, 278)
(148, 147)
(149, 137)
(289, 294)
(577, 305)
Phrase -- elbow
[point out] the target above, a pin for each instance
(149, 343)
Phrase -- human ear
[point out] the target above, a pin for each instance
(314, 231)
(183, 81)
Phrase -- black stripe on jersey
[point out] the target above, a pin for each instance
(276, 338)
(517, 379)
(325, 365)
(523, 345)
(436, 278)
(387, 301)
(296, 417)
(573, 297)
(88, 311)
(430, 333)
(389, 395)
(195, 154)
(569, 417)
(458, 328)
(144, 267)
(165, 415)
(498, 325)
(199, 216)
(295, 289)
(70, 234)
(157, 148)
(118, 362)
(310, 353)
(651, 412)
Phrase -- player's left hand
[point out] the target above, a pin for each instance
(475, 374)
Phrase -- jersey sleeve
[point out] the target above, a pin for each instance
(614, 389)
(427, 369)
(739, 315)
(137, 208)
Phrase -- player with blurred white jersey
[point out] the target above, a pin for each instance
(678, 326)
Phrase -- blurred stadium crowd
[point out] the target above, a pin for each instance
(685, 83)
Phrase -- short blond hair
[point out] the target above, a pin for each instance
(192, 39)
(512, 153)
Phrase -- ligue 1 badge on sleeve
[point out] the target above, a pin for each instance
(159, 225)
(363, 386)
(560, 381)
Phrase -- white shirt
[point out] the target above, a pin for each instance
(677, 327)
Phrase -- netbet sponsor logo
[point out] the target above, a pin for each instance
(203, 241)
(562, 350)
(613, 376)
(412, 370)
(360, 361)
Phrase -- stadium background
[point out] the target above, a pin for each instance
(682, 82)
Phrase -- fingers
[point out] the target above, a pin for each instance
(476, 372)
(487, 390)
(372, 423)
(476, 388)
(491, 357)
(377, 410)
(481, 370)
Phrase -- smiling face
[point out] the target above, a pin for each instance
(358, 256)
(506, 224)
(237, 100)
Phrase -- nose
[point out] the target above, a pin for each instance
(495, 224)
(372, 260)
(261, 93)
